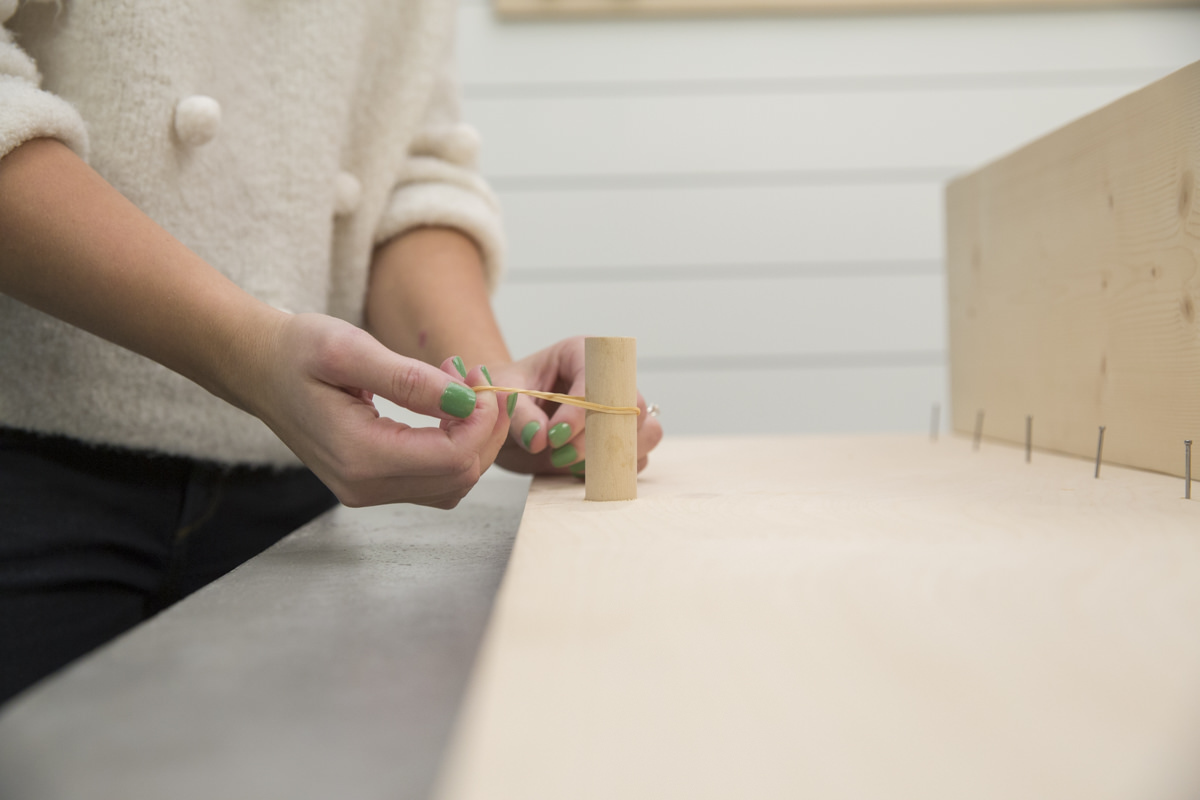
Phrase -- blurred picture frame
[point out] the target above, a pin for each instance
(634, 8)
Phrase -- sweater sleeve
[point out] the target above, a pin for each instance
(27, 112)
(440, 183)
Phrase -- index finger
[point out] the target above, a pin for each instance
(455, 446)
(366, 364)
(568, 422)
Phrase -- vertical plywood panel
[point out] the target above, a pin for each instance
(1074, 276)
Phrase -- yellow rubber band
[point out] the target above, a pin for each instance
(568, 399)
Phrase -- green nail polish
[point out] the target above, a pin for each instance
(512, 403)
(458, 400)
(487, 375)
(528, 432)
(564, 455)
(577, 469)
(559, 434)
(458, 365)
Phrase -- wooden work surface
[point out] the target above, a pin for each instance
(844, 618)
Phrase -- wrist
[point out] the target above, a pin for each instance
(244, 353)
(428, 299)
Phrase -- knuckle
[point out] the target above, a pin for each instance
(333, 347)
(469, 473)
(653, 435)
(408, 384)
(462, 476)
(352, 497)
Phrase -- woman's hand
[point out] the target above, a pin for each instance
(545, 437)
(318, 377)
(428, 298)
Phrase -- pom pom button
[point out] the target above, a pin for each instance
(197, 119)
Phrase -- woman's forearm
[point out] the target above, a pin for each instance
(428, 299)
(71, 245)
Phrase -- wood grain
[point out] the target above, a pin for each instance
(611, 378)
(1073, 283)
(844, 618)
(657, 7)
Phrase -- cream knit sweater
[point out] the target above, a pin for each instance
(280, 140)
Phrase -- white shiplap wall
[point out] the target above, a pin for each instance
(759, 199)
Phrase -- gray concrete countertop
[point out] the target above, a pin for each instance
(332, 665)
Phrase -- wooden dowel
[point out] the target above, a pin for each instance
(610, 365)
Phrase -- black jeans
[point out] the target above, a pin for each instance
(94, 540)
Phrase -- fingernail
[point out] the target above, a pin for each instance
(559, 434)
(458, 400)
(460, 366)
(486, 374)
(512, 403)
(577, 469)
(564, 455)
(528, 432)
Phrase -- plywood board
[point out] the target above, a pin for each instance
(1073, 281)
(654, 7)
(844, 618)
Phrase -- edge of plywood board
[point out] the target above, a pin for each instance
(1074, 278)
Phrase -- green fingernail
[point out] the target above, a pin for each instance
(564, 455)
(559, 434)
(458, 365)
(512, 403)
(458, 400)
(487, 375)
(528, 432)
(577, 469)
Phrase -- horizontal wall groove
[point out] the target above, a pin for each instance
(793, 361)
(724, 180)
(704, 272)
(840, 84)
